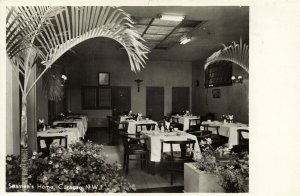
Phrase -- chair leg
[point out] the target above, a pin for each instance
(161, 167)
(172, 172)
(124, 161)
(127, 163)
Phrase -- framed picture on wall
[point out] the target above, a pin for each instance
(216, 93)
(103, 78)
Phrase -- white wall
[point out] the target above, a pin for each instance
(156, 73)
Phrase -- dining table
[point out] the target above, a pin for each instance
(228, 130)
(81, 124)
(155, 138)
(154, 145)
(185, 120)
(72, 134)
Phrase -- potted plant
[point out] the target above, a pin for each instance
(81, 168)
(217, 170)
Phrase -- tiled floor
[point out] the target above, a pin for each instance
(137, 176)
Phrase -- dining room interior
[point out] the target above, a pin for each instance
(159, 106)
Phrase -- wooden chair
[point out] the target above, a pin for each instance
(135, 145)
(217, 139)
(160, 124)
(175, 123)
(202, 135)
(210, 116)
(243, 145)
(117, 128)
(167, 118)
(146, 126)
(66, 125)
(176, 159)
(48, 141)
(131, 118)
(194, 125)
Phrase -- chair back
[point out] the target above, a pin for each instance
(131, 118)
(243, 140)
(167, 118)
(144, 127)
(66, 125)
(136, 139)
(174, 119)
(210, 116)
(49, 140)
(201, 135)
(208, 127)
(185, 155)
(160, 124)
(194, 124)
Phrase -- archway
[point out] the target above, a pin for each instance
(40, 35)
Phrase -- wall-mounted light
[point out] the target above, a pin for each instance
(171, 17)
(237, 79)
(185, 39)
(138, 81)
(64, 77)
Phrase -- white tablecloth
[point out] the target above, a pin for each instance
(123, 119)
(132, 125)
(155, 143)
(229, 130)
(81, 125)
(72, 133)
(185, 120)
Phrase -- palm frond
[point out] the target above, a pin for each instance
(55, 30)
(236, 53)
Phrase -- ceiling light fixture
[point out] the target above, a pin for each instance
(185, 39)
(171, 17)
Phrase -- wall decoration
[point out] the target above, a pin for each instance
(216, 93)
(103, 79)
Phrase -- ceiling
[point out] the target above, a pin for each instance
(209, 27)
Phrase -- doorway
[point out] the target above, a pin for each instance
(180, 99)
(121, 99)
(155, 102)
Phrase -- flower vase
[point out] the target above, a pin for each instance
(225, 121)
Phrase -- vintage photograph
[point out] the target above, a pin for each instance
(124, 99)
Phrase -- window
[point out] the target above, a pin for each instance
(218, 74)
(94, 97)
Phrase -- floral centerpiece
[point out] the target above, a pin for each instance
(81, 168)
(232, 169)
(41, 126)
(139, 116)
(227, 117)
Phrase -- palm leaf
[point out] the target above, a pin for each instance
(236, 53)
(49, 32)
